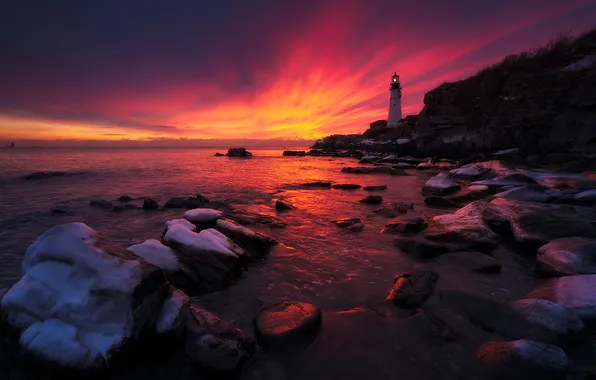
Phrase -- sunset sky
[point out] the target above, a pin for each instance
(243, 69)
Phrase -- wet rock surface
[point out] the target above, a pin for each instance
(405, 224)
(346, 186)
(150, 204)
(287, 325)
(283, 205)
(238, 152)
(421, 247)
(435, 201)
(439, 185)
(372, 200)
(375, 188)
(411, 290)
(568, 256)
(473, 261)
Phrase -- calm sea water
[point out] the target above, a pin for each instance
(315, 262)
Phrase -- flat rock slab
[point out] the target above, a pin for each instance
(568, 256)
(523, 360)
(474, 261)
(411, 290)
(287, 325)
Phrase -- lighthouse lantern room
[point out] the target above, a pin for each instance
(394, 101)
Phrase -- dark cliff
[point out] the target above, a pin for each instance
(540, 101)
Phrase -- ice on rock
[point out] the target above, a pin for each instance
(79, 298)
(203, 215)
(157, 254)
(172, 317)
(206, 241)
(179, 222)
(232, 228)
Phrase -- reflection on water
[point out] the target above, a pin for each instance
(316, 261)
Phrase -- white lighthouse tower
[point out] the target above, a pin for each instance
(394, 101)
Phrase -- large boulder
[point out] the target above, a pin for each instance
(468, 173)
(215, 344)
(537, 226)
(471, 193)
(463, 231)
(523, 360)
(203, 215)
(531, 193)
(568, 256)
(372, 200)
(287, 325)
(440, 184)
(496, 216)
(257, 244)
(79, 301)
(576, 293)
(411, 290)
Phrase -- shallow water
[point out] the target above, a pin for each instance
(315, 261)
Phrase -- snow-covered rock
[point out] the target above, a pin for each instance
(465, 173)
(157, 254)
(215, 344)
(568, 256)
(77, 304)
(179, 222)
(255, 243)
(523, 360)
(560, 325)
(203, 215)
(171, 320)
(440, 184)
(208, 241)
(576, 293)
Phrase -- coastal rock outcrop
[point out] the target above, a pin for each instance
(238, 152)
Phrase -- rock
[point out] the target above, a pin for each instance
(568, 256)
(196, 202)
(372, 200)
(316, 185)
(299, 153)
(538, 226)
(463, 231)
(61, 210)
(358, 170)
(257, 244)
(440, 184)
(171, 320)
(473, 261)
(394, 209)
(396, 171)
(282, 204)
(435, 201)
(471, 193)
(375, 188)
(238, 152)
(176, 202)
(172, 263)
(179, 222)
(207, 242)
(389, 160)
(125, 198)
(87, 301)
(585, 198)
(561, 325)
(576, 293)
(405, 224)
(411, 290)
(98, 203)
(217, 154)
(287, 325)
(150, 204)
(467, 174)
(523, 360)
(425, 166)
(531, 193)
(45, 175)
(403, 166)
(128, 206)
(248, 217)
(345, 223)
(498, 218)
(515, 179)
(346, 186)
(382, 170)
(421, 247)
(368, 160)
(356, 227)
(215, 344)
(203, 215)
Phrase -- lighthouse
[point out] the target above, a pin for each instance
(394, 101)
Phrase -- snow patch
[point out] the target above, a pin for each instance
(203, 215)
(173, 313)
(584, 63)
(207, 240)
(180, 222)
(157, 254)
(230, 227)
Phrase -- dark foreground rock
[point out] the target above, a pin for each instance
(568, 256)
(299, 153)
(411, 290)
(523, 360)
(238, 152)
(405, 224)
(441, 202)
(421, 247)
(215, 344)
(372, 200)
(287, 325)
(375, 188)
(176, 202)
(101, 204)
(316, 185)
(257, 244)
(352, 224)
(283, 205)
(125, 198)
(473, 261)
